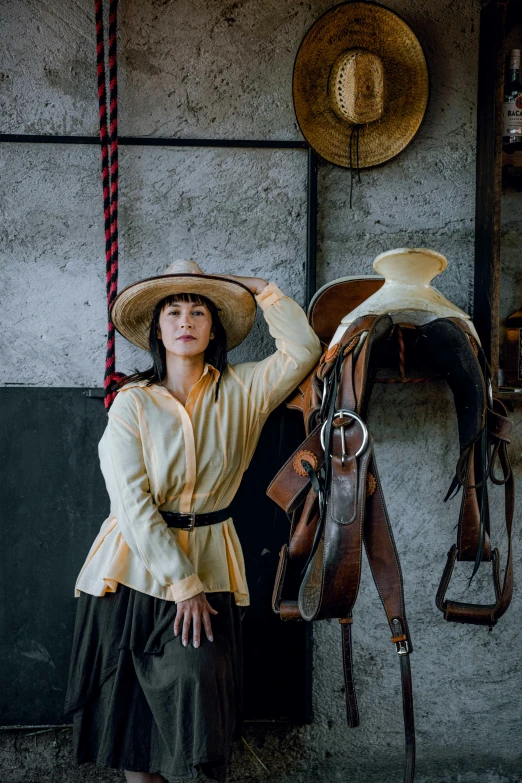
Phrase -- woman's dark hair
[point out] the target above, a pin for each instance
(215, 353)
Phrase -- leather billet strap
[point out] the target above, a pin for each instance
(384, 560)
(386, 571)
(352, 710)
(409, 724)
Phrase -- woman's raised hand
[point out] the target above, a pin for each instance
(254, 284)
(194, 611)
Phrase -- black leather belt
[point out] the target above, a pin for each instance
(189, 521)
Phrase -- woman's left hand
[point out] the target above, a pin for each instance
(254, 284)
(194, 611)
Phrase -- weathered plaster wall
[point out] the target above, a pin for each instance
(217, 69)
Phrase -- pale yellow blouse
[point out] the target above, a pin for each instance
(156, 453)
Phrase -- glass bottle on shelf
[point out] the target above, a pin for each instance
(512, 130)
(513, 350)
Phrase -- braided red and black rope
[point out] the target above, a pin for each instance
(109, 158)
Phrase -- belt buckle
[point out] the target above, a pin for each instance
(192, 521)
(402, 647)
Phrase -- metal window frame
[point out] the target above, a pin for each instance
(154, 141)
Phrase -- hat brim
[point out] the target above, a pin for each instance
(131, 311)
(375, 28)
(336, 299)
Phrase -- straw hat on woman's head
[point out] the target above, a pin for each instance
(132, 310)
(360, 69)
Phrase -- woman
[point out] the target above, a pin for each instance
(155, 681)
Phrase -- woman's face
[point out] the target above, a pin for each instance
(185, 328)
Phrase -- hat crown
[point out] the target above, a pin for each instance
(383, 40)
(183, 266)
(356, 86)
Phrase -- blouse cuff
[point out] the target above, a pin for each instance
(269, 296)
(185, 588)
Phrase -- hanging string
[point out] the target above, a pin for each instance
(355, 130)
(109, 158)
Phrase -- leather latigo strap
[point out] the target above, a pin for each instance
(302, 539)
(386, 571)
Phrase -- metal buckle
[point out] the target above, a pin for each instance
(325, 397)
(192, 521)
(402, 647)
(351, 415)
(489, 393)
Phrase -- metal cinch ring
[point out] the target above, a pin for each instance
(352, 415)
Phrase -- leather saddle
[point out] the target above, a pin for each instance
(331, 491)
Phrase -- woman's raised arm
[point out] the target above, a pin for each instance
(271, 380)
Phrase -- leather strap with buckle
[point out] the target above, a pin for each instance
(188, 521)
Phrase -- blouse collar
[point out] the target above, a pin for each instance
(208, 368)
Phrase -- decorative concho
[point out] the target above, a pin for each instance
(332, 352)
(309, 456)
(371, 484)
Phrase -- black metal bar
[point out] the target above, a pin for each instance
(311, 228)
(151, 141)
(42, 726)
(68, 726)
(488, 162)
(309, 654)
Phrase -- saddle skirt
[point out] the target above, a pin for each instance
(331, 490)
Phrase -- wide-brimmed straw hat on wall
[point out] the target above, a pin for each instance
(360, 68)
(132, 310)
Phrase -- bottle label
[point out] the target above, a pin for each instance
(513, 117)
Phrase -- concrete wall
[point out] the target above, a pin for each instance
(214, 69)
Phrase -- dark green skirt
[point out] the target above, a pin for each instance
(141, 701)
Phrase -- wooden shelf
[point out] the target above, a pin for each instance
(504, 394)
(500, 25)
